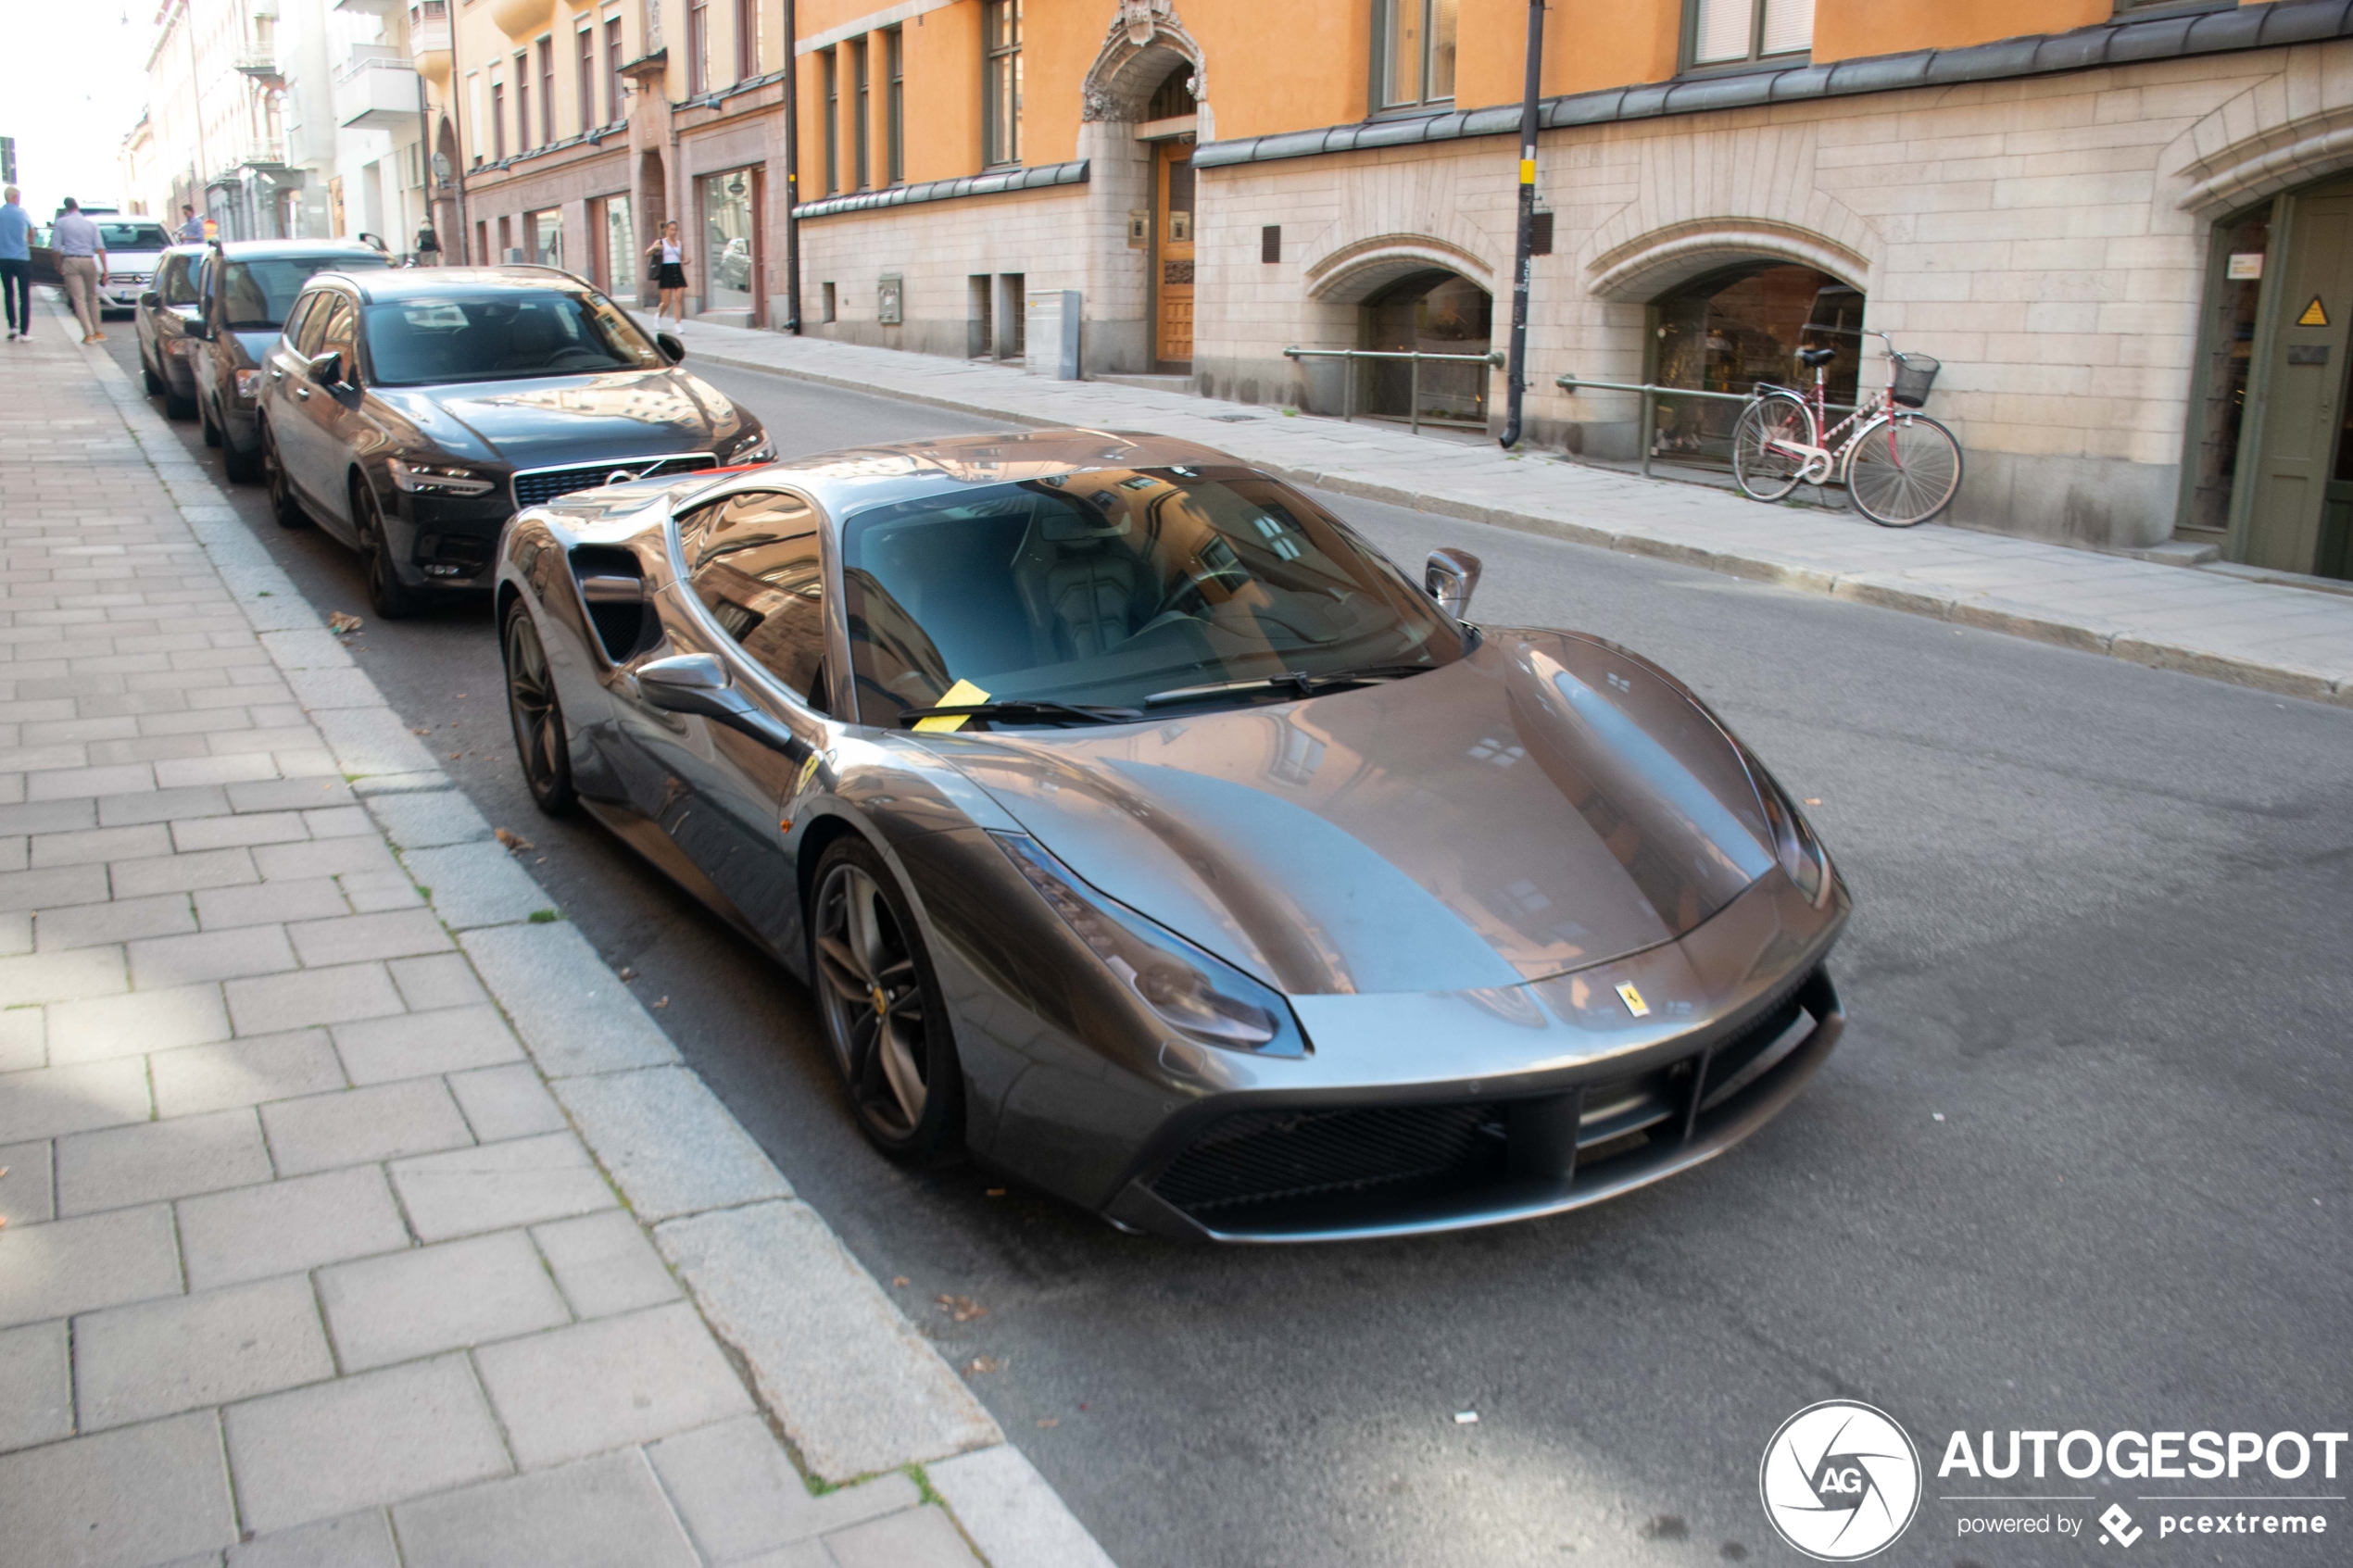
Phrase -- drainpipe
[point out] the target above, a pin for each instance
(792, 174)
(1516, 386)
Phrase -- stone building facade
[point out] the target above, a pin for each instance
(2091, 212)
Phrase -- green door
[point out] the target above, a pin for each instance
(2304, 391)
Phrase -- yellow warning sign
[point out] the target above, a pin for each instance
(2314, 315)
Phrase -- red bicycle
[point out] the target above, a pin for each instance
(1899, 466)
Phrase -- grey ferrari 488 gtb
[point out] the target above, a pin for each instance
(1141, 830)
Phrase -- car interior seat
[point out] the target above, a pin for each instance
(1080, 580)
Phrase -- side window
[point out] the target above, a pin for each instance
(338, 335)
(305, 322)
(754, 564)
(178, 285)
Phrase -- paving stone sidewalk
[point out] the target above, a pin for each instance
(2260, 634)
(355, 1213)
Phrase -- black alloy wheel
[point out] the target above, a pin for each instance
(203, 416)
(283, 504)
(147, 375)
(177, 405)
(541, 743)
(883, 1015)
(394, 599)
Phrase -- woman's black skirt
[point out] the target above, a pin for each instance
(670, 275)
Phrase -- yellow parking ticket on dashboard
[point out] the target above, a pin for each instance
(962, 693)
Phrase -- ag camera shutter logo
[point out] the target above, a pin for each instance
(1840, 1481)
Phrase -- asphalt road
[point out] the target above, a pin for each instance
(2080, 1162)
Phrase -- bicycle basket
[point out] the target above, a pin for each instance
(1915, 373)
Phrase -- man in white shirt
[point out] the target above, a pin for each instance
(190, 226)
(81, 251)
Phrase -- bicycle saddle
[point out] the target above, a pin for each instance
(1816, 355)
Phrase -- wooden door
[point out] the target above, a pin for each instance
(2305, 386)
(1173, 207)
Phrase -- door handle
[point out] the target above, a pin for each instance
(277, 374)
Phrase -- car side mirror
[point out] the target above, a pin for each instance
(149, 299)
(327, 369)
(200, 328)
(697, 683)
(672, 349)
(1452, 577)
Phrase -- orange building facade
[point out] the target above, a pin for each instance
(2089, 210)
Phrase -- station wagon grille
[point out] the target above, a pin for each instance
(536, 485)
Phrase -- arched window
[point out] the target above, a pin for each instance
(1736, 327)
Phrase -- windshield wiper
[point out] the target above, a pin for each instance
(1297, 681)
(1019, 708)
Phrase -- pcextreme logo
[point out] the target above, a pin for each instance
(1840, 1481)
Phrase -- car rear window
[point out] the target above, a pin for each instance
(133, 236)
(256, 294)
(502, 337)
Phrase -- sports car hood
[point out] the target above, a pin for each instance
(550, 420)
(1546, 804)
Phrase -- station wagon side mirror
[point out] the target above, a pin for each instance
(1451, 576)
(327, 369)
(672, 349)
(149, 298)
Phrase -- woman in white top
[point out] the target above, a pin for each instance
(666, 266)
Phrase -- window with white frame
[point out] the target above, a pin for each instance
(1412, 51)
(1000, 94)
(1726, 32)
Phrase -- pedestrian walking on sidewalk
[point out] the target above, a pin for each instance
(190, 226)
(15, 265)
(82, 267)
(666, 266)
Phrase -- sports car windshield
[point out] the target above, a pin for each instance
(1110, 586)
(503, 336)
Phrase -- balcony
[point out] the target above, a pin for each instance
(376, 90)
(259, 61)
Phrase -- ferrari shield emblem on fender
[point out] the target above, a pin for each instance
(1633, 1000)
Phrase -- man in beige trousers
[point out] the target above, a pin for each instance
(81, 251)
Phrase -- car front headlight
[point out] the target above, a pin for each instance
(249, 382)
(1799, 853)
(760, 448)
(1198, 995)
(439, 479)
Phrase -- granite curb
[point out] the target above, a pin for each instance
(855, 1388)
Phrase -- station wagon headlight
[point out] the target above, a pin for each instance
(760, 448)
(1199, 995)
(249, 382)
(430, 479)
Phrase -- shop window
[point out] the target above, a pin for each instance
(1734, 329)
(1412, 51)
(1001, 96)
(545, 229)
(726, 242)
(1725, 32)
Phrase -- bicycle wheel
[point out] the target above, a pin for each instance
(1904, 469)
(1762, 462)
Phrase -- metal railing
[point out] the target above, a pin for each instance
(1348, 383)
(1652, 393)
